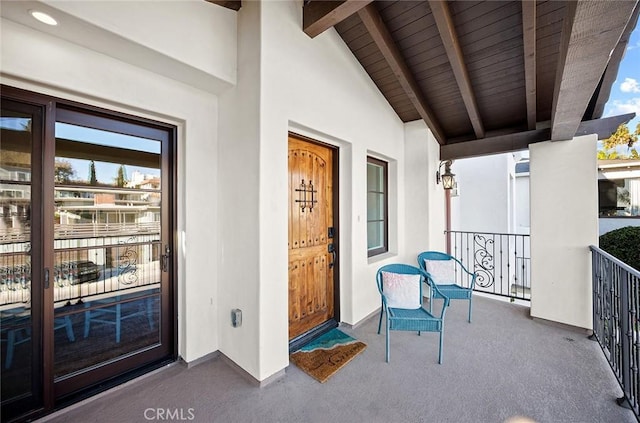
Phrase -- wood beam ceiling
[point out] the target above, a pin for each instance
(447, 31)
(520, 140)
(318, 16)
(383, 39)
(529, 42)
(591, 32)
(229, 4)
(610, 75)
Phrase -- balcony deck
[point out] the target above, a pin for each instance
(502, 365)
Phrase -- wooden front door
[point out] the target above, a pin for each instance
(311, 243)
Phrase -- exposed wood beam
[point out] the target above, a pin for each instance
(318, 16)
(520, 141)
(442, 16)
(381, 36)
(591, 31)
(229, 4)
(529, 41)
(610, 75)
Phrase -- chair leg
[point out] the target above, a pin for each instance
(440, 349)
(87, 322)
(69, 328)
(387, 339)
(150, 312)
(470, 304)
(11, 343)
(380, 320)
(118, 319)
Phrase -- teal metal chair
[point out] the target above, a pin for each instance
(400, 286)
(449, 275)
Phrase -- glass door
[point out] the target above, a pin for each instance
(111, 246)
(20, 304)
(87, 209)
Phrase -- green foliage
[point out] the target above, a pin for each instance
(92, 174)
(623, 137)
(63, 171)
(121, 179)
(624, 244)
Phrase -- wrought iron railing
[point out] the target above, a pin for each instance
(502, 261)
(616, 308)
(86, 268)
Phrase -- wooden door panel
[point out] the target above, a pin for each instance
(310, 216)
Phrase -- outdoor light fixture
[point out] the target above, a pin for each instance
(447, 177)
(43, 17)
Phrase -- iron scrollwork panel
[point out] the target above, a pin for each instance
(483, 260)
(128, 265)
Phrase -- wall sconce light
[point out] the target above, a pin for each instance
(447, 177)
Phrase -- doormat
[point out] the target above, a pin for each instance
(327, 354)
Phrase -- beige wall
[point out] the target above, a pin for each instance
(564, 222)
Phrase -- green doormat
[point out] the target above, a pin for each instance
(325, 355)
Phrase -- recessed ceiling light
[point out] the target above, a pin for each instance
(43, 17)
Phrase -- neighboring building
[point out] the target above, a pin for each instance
(618, 194)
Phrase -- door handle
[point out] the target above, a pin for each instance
(165, 258)
(46, 278)
(332, 250)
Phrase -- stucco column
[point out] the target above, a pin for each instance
(564, 222)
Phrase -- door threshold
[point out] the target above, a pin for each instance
(298, 342)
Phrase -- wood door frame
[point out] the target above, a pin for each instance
(112, 374)
(299, 341)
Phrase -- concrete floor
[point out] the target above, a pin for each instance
(502, 365)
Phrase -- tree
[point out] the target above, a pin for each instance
(63, 171)
(92, 174)
(621, 138)
(121, 179)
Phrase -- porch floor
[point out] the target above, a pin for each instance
(502, 365)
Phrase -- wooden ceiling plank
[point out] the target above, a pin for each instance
(590, 33)
(381, 36)
(521, 140)
(318, 16)
(529, 41)
(446, 28)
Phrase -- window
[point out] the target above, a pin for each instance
(619, 197)
(377, 210)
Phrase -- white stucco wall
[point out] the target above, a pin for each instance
(232, 169)
(485, 194)
(37, 61)
(522, 220)
(425, 210)
(316, 87)
(564, 222)
(189, 31)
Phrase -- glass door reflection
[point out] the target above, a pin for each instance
(107, 247)
(19, 375)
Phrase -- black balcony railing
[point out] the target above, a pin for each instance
(616, 305)
(501, 261)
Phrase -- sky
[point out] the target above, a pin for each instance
(106, 172)
(625, 92)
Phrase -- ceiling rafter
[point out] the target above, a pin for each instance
(385, 43)
(610, 75)
(318, 16)
(229, 4)
(442, 16)
(591, 31)
(529, 42)
(520, 140)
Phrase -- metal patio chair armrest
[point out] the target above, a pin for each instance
(434, 287)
